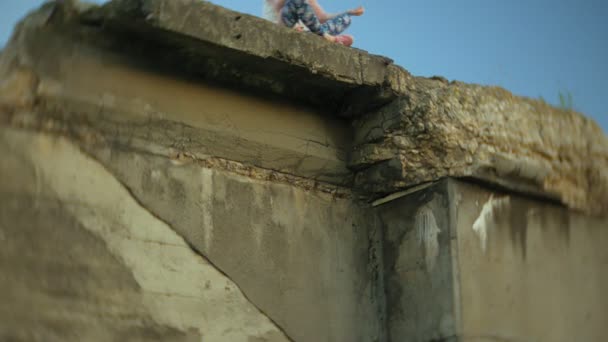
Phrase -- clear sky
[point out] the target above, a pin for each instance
(531, 47)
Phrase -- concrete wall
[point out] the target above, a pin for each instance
(83, 260)
(528, 270)
(470, 264)
(418, 275)
(226, 211)
(167, 179)
(111, 243)
(197, 251)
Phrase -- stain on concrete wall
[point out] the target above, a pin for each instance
(487, 218)
(417, 259)
(508, 268)
(428, 231)
(539, 276)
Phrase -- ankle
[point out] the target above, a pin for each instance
(329, 37)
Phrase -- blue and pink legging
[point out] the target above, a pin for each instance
(295, 10)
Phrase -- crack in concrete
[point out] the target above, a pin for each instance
(80, 133)
(188, 243)
(39, 197)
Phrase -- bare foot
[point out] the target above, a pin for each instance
(357, 11)
(345, 39)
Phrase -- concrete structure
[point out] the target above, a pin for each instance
(176, 171)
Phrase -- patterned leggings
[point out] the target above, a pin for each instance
(295, 10)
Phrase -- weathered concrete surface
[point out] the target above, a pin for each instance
(155, 130)
(432, 128)
(418, 275)
(459, 130)
(96, 265)
(129, 103)
(301, 250)
(467, 264)
(305, 259)
(529, 271)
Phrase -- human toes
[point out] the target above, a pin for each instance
(358, 11)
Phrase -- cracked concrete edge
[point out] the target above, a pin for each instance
(89, 137)
(44, 150)
(257, 54)
(191, 246)
(257, 37)
(460, 130)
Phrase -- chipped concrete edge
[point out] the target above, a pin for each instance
(486, 134)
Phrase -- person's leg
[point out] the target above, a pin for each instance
(338, 24)
(345, 39)
(289, 15)
(308, 17)
(295, 10)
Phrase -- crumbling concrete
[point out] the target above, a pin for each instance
(461, 130)
(244, 182)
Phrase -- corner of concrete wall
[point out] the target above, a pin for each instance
(418, 265)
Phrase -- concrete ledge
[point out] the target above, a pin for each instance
(442, 129)
(157, 109)
(248, 52)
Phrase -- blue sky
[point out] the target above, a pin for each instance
(530, 47)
